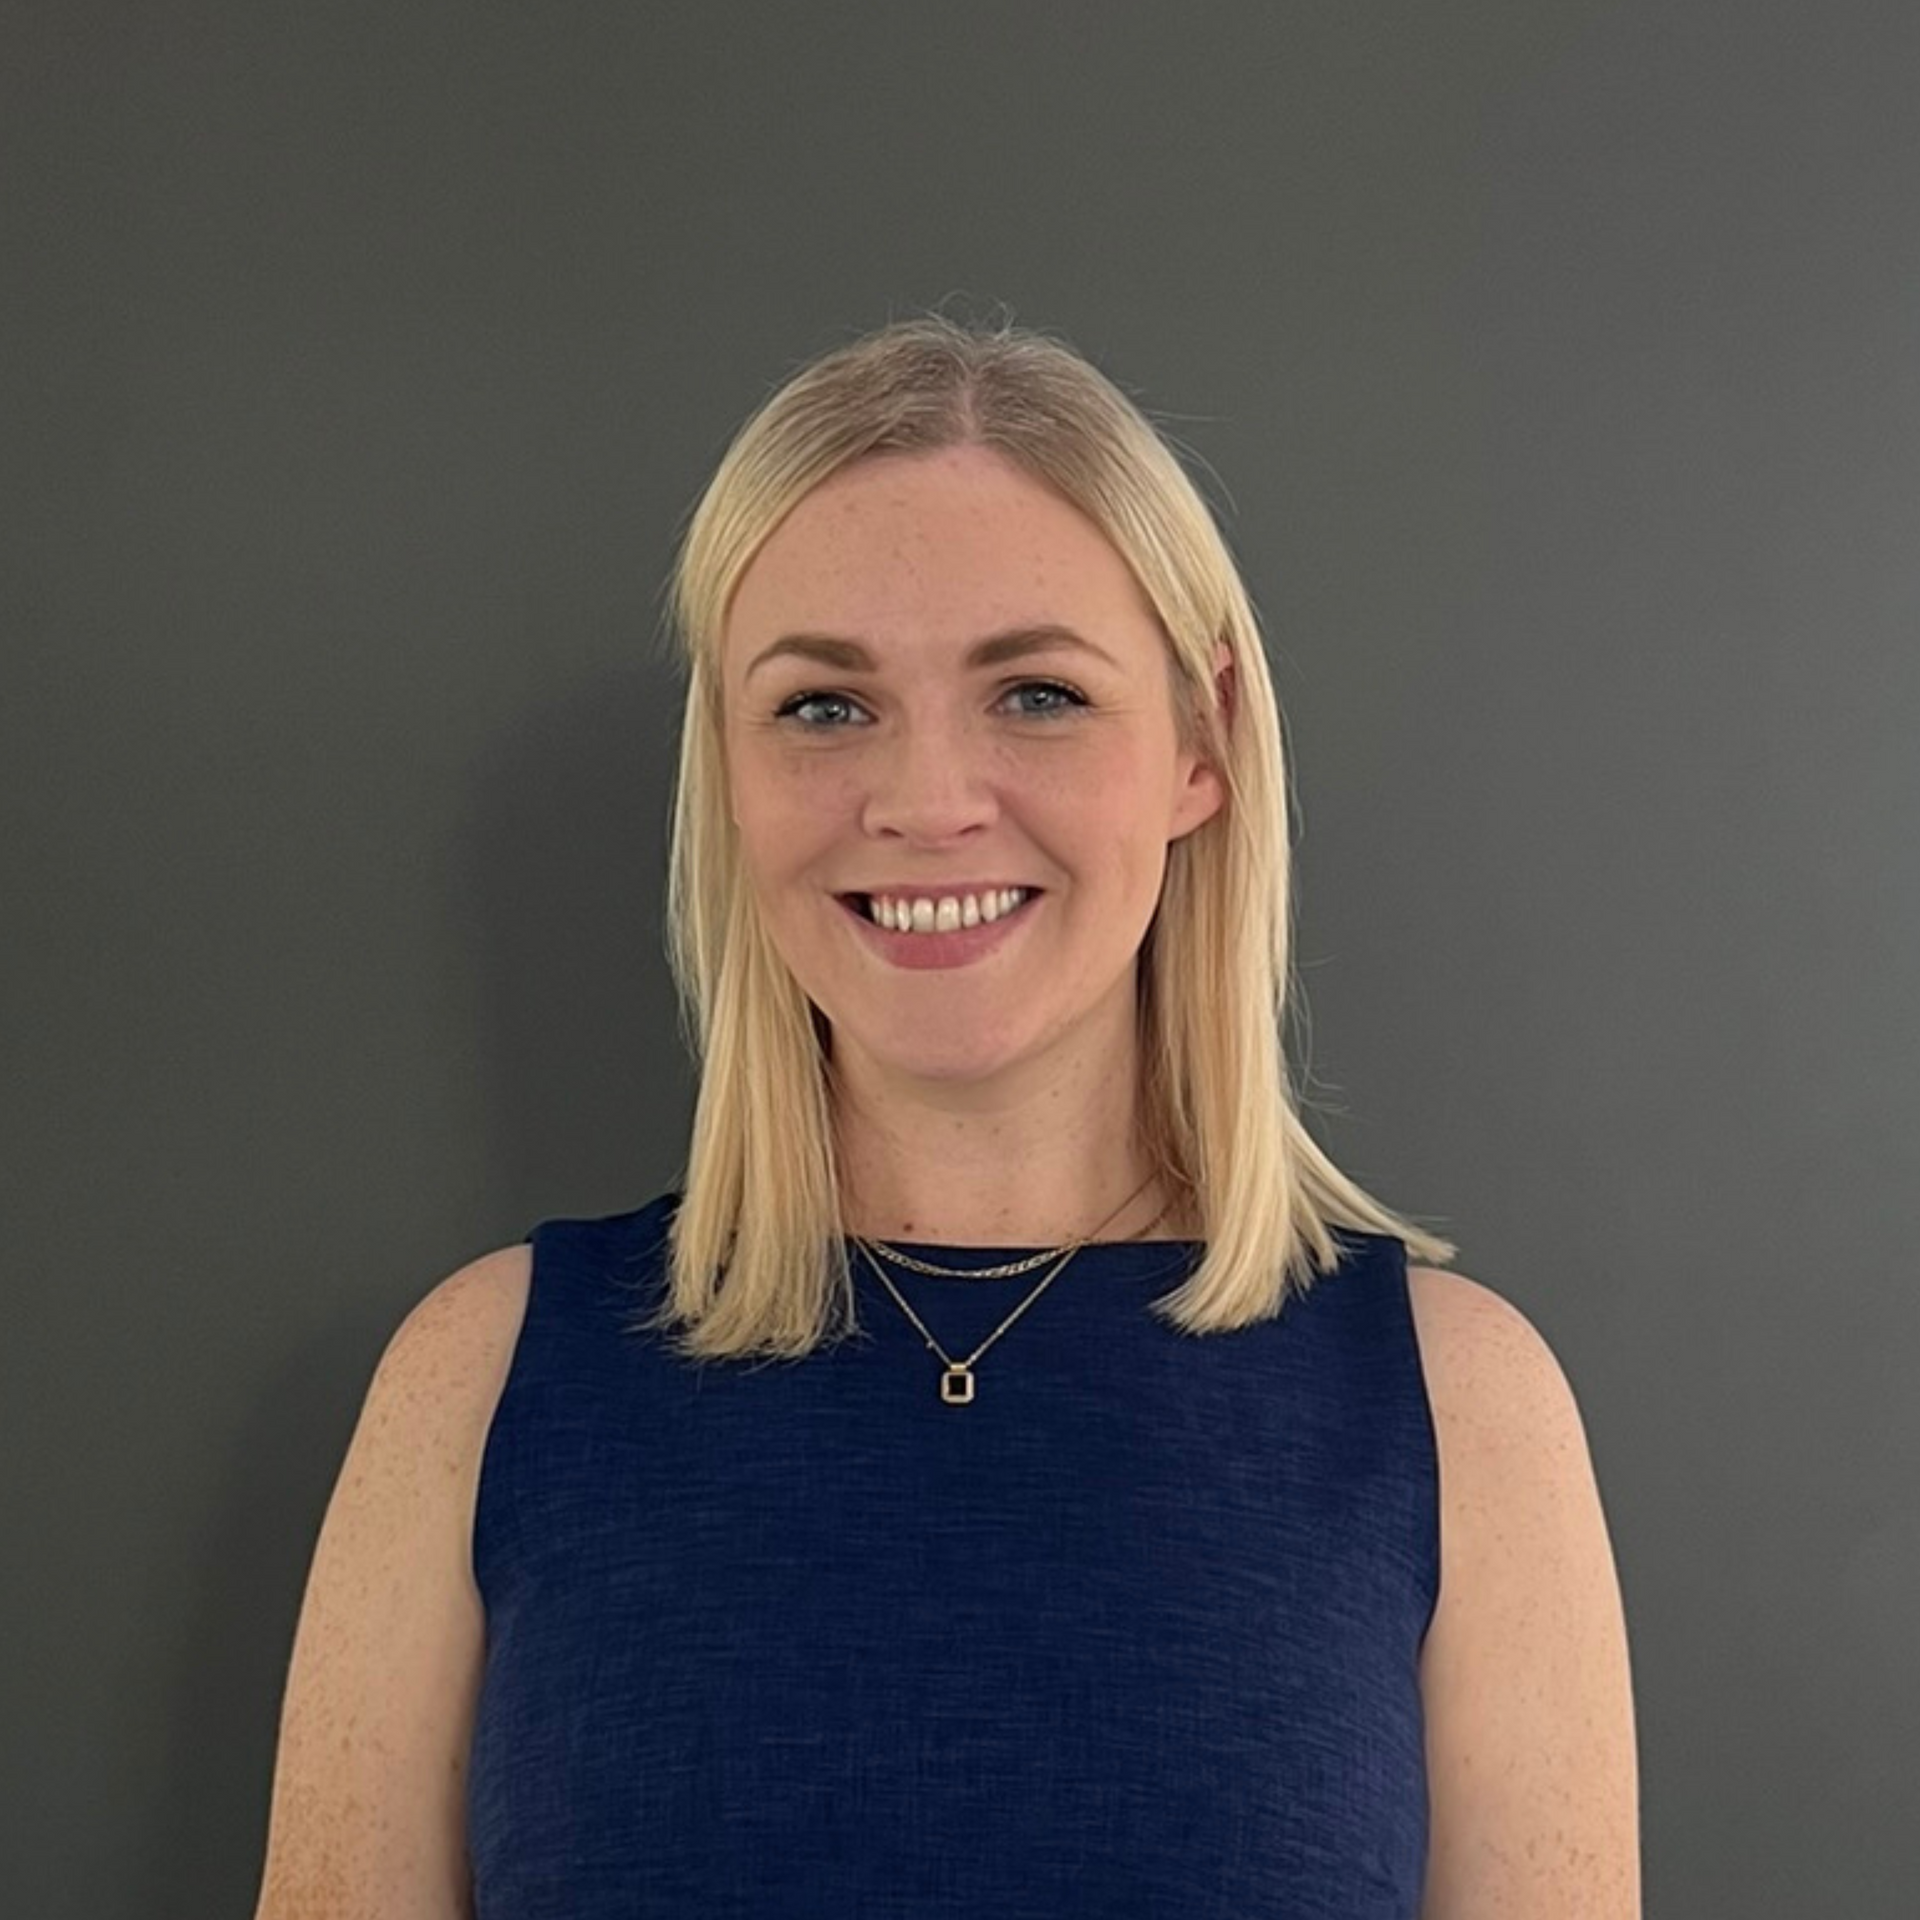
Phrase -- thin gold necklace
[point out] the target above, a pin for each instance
(957, 1382)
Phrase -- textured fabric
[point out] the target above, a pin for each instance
(1137, 1632)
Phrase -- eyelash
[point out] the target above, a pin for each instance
(1074, 697)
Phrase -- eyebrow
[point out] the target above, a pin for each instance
(850, 656)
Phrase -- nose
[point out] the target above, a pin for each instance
(931, 786)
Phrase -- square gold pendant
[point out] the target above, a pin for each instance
(956, 1386)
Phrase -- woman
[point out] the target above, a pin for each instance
(1029, 1583)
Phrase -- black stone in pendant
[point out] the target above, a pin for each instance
(956, 1385)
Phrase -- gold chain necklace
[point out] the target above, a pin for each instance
(957, 1383)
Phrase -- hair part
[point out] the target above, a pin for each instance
(757, 1263)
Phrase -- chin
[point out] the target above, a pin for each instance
(912, 1058)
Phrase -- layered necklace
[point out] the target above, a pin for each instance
(957, 1381)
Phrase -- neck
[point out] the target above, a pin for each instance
(1041, 1166)
(1146, 1211)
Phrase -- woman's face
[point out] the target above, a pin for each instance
(871, 754)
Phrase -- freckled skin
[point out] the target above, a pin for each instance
(948, 770)
(368, 1811)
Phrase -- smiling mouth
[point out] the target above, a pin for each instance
(860, 905)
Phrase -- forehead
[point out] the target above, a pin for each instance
(947, 545)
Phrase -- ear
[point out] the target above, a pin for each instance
(1203, 792)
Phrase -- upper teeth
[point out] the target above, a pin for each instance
(945, 914)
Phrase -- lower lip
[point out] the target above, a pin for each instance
(956, 949)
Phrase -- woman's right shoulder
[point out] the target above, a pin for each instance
(462, 1331)
(444, 1367)
(381, 1687)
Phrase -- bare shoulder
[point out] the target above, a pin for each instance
(1525, 1677)
(1510, 1434)
(448, 1357)
(439, 1378)
(381, 1690)
(1457, 1309)
(1512, 1444)
(1498, 1391)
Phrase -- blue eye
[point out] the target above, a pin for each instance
(1068, 695)
(790, 710)
(1069, 700)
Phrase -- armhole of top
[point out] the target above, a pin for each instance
(1427, 1425)
(482, 1536)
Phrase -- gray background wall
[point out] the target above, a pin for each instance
(1556, 368)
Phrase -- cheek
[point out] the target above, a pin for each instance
(784, 825)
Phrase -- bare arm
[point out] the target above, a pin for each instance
(368, 1807)
(1532, 1771)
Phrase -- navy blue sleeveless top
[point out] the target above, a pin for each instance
(1136, 1632)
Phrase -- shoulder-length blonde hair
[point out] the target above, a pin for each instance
(760, 1198)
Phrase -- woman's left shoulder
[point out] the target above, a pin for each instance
(1525, 1674)
(1475, 1342)
(1511, 1440)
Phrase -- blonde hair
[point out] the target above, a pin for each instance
(760, 1197)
